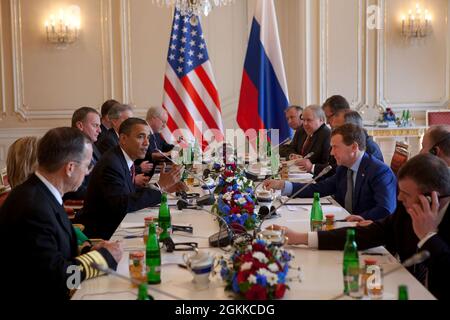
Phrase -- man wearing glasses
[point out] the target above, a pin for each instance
(332, 105)
(157, 119)
(87, 120)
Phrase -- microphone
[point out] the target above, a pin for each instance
(415, 259)
(220, 239)
(411, 261)
(283, 203)
(111, 272)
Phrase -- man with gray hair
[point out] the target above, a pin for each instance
(157, 119)
(437, 142)
(118, 114)
(295, 122)
(317, 137)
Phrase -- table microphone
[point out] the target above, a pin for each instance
(133, 281)
(283, 203)
(413, 260)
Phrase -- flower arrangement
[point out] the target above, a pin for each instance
(256, 271)
(232, 179)
(237, 208)
(236, 199)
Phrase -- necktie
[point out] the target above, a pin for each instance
(133, 172)
(306, 146)
(349, 194)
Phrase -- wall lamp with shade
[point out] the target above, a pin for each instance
(64, 28)
(417, 24)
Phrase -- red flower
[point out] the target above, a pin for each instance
(242, 276)
(280, 289)
(259, 247)
(256, 292)
(235, 210)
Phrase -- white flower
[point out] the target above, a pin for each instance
(249, 248)
(252, 279)
(272, 278)
(229, 179)
(246, 266)
(242, 201)
(238, 215)
(260, 256)
(273, 267)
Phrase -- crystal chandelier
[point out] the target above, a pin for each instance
(193, 7)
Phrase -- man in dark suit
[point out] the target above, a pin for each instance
(36, 237)
(317, 137)
(157, 119)
(333, 105)
(363, 185)
(340, 118)
(87, 120)
(116, 115)
(105, 122)
(418, 224)
(111, 192)
(293, 118)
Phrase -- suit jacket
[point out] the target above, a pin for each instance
(374, 193)
(320, 144)
(111, 195)
(108, 141)
(371, 148)
(294, 147)
(81, 192)
(396, 233)
(38, 240)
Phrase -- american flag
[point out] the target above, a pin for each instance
(190, 94)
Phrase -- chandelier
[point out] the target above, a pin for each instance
(193, 7)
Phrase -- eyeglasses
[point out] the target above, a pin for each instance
(181, 246)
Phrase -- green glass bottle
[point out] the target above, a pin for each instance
(351, 268)
(164, 219)
(153, 256)
(316, 214)
(403, 292)
(142, 292)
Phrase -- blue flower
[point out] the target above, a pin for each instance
(286, 268)
(237, 196)
(249, 190)
(224, 272)
(281, 277)
(235, 284)
(285, 256)
(261, 279)
(261, 242)
(226, 209)
(229, 188)
(234, 218)
(227, 219)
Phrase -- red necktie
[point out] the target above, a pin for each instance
(133, 173)
(306, 146)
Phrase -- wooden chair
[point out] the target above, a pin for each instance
(400, 157)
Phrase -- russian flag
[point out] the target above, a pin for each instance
(264, 93)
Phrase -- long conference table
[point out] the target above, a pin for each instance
(320, 276)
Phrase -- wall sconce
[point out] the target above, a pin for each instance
(418, 24)
(65, 28)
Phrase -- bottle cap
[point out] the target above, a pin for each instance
(329, 216)
(370, 262)
(136, 255)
